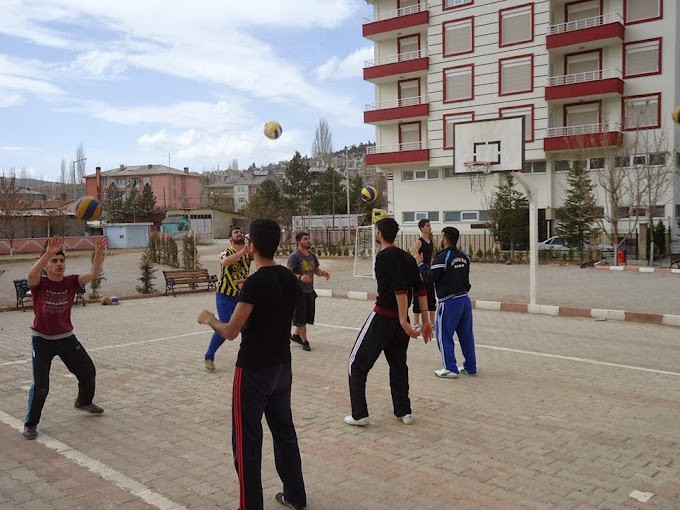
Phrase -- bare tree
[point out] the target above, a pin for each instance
(12, 206)
(233, 165)
(79, 164)
(23, 175)
(322, 147)
(62, 175)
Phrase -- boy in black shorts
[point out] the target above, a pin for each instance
(263, 377)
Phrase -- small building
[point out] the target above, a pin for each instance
(173, 224)
(127, 235)
(210, 223)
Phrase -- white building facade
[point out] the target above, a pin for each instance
(587, 75)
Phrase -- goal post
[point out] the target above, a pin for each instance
(364, 251)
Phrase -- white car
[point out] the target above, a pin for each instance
(555, 243)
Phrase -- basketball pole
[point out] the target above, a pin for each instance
(532, 194)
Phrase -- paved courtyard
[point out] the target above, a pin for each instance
(565, 413)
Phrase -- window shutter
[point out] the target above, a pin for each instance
(451, 122)
(642, 58)
(583, 63)
(459, 84)
(516, 76)
(582, 115)
(516, 26)
(641, 9)
(583, 10)
(641, 112)
(458, 37)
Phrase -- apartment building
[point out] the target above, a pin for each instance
(587, 76)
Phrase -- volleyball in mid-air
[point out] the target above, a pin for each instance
(676, 115)
(369, 195)
(272, 129)
(88, 208)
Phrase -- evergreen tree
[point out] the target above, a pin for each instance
(96, 283)
(329, 195)
(358, 206)
(114, 204)
(133, 203)
(509, 213)
(268, 203)
(148, 274)
(297, 185)
(147, 202)
(577, 214)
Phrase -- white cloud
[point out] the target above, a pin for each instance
(99, 64)
(349, 67)
(8, 99)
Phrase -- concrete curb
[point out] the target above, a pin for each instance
(639, 269)
(551, 310)
(662, 319)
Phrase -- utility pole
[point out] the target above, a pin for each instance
(75, 175)
(349, 236)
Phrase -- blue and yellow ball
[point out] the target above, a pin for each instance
(88, 208)
(369, 195)
(676, 115)
(272, 130)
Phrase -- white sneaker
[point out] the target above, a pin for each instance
(361, 422)
(407, 419)
(445, 374)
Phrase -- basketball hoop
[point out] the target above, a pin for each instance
(478, 171)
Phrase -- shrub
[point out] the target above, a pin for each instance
(148, 274)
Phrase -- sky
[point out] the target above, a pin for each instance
(189, 84)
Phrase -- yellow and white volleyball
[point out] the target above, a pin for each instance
(272, 129)
(676, 115)
(369, 195)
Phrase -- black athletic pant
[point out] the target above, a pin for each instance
(76, 359)
(379, 334)
(257, 392)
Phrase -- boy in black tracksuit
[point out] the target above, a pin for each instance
(387, 327)
(450, 273)
(263, 377)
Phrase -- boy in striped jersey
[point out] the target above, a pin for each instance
(235, 268)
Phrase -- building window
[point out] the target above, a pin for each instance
(596, 163)
(582, 10)
(420, 175)
(408, 46)
(458, 84)
(450, 4)
(534, 167)
(147, 180)
(450, 121)
(582, 114)
(642, 58)
(458, 37)
(582, 63)
(462, 216)
(409, 136)
(657, 158)
(516, 75)
(637, 11)
(521, 111)
(516, 25)
(409, 92)
(561, 165)
(642, 112)
(241, 200)
(416, 216)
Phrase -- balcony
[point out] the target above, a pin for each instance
(601, 83)
(405, 65)
(397, 154)
(589, 136)
(399, 109)
(407, 21)
(602, 30)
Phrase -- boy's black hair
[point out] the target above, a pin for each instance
(422, 223)
(300, 235)
(452, 235)
(388, 227)
(265, 235)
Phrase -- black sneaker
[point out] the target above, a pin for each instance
(90, 408)
(297, 339)
(306, 347)
(281, 499)
(30, 432)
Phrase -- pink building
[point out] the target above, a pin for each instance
(173, 188)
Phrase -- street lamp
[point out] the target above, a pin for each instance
(74, 175)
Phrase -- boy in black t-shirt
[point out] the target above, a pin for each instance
(263, 377)
(387, 328)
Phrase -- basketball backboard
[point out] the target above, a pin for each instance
(498, 141)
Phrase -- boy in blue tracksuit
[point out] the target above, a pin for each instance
(450, 273)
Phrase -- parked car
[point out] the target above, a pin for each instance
(555, 243)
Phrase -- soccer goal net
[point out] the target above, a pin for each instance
(364, 251)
